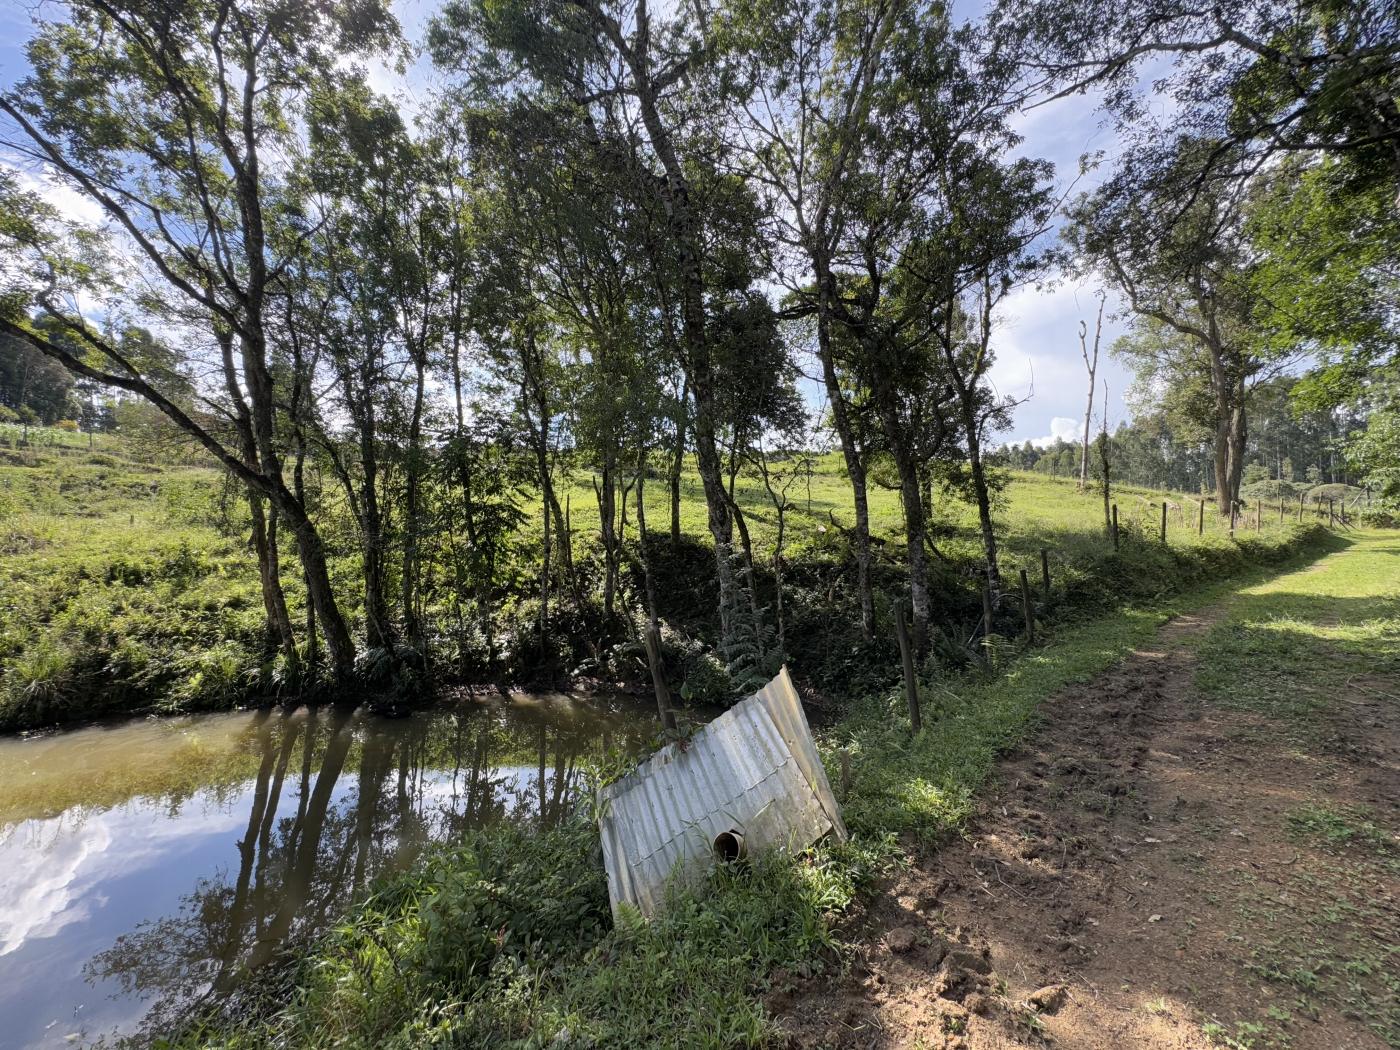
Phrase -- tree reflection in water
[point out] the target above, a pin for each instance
(365, 794)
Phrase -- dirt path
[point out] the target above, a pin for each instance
(1151, 871)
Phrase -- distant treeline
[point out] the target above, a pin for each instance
(1152, 449)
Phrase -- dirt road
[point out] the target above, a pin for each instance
(1155, 869)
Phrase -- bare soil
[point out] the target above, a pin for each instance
(1137, 877)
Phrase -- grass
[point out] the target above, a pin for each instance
(1289, 653)
(118, 592)
(127, 586)
(1289, 641)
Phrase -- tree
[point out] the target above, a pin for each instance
(1091, 365)
(627, 81)
(29, 379)
(174, 122)
(1187, 278)
(812, 70)
(1253, 78)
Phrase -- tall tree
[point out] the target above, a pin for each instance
(1188, 277)
(621, 74)
(176, 121)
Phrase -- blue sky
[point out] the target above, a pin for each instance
(1037, 343)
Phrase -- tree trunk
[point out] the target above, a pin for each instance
(279, 622)
(413, 471)
(855, 467)
(677, 462)
(984, 507)
(1091, 363)
(911, 499)
(674, 193)
(318, 588)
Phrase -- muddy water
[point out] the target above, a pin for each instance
(144, 864)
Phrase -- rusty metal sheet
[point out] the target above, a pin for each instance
(753, 770)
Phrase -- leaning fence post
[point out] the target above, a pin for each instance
(1028, 608)
(1045, 571)
(1115, 526)
(911, 681)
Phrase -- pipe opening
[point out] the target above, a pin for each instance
(729, 847)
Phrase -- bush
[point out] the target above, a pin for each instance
(1380, 518)
(1338, 492)
(1271, 490)
(69, 426)
(507, 940)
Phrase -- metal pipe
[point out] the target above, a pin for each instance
(729, 846)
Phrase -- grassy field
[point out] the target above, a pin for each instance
(119, 591)
(128, 585)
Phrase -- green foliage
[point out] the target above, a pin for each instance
(117, 595)
(1268, 489)
(504, 940)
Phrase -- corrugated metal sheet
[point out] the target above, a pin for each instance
(754, 770)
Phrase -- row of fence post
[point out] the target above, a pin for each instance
(1333, 517)
(906, 646)
(902, 628)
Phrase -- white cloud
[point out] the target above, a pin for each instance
(54, 869)
(68, 202)
(1061, 429)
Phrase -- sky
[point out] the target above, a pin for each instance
(1038, 359)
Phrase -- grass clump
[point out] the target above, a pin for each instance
(506, 940)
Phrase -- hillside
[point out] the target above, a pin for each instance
(130, 585)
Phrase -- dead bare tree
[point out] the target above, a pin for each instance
(1091, 364)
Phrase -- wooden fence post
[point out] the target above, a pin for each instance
(1045, 571)
(911, 680)
(1115, 526)
(1028, 608)
(1259, 515)
(1331, 516)
(1234, 516)
(1201, 517)
(1302, 500)
(1164, 520)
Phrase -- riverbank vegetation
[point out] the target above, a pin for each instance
(492, 377)
(504, 939)
(129, 586)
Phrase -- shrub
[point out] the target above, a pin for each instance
(1271, 490)
(1338, 492)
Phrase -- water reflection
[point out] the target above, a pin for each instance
(118, 912)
